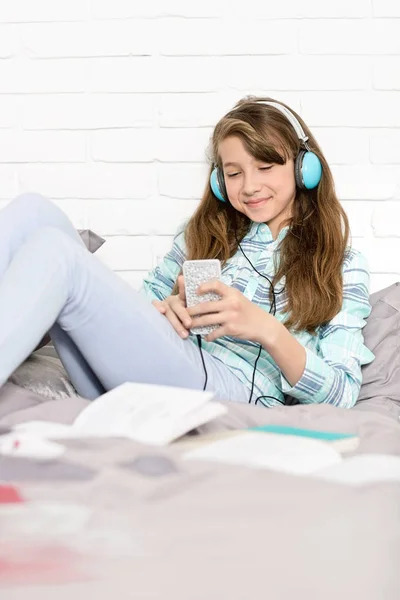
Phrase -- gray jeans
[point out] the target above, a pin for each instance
(104, 331)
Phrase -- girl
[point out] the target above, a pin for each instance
(294, 297)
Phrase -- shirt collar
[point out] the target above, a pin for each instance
(263, 231)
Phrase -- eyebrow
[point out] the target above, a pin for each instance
(230, 164)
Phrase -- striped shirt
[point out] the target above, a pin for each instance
(334, 355)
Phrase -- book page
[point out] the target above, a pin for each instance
(150, 414)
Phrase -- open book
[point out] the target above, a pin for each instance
(151, 414)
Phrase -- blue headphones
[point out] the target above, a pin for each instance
(307, 166)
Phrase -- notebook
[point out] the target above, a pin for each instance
(292, 454)
(344, 442)
(277, 447)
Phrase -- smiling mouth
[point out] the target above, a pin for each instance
(257, 202)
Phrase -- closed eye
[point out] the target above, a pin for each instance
(266, 168)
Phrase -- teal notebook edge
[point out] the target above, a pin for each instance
(328, 436)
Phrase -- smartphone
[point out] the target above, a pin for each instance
(196, 272)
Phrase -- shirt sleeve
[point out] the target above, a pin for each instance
(160, 282)
(332, 374)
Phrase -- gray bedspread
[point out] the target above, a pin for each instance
(196, 530)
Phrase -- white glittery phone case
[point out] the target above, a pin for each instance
(196, 272)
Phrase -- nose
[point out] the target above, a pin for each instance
(251, 184)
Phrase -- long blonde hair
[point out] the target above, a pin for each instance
(312, 252)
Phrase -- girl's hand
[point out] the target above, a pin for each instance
(174, 308)
(236, 315)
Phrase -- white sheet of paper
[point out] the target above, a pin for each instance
(363, 469)
(290, 454)
(27, 445)
(47, 429)
(147, 413)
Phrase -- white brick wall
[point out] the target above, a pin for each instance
(107, 106)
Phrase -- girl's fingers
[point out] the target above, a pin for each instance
(217, 333)
(176, 323)
(203, 308)
(176, 305)
(209, 319)
(181, 288)
(182, 314)
(160, 306)
(215, 286)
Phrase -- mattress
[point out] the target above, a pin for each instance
(194, 529)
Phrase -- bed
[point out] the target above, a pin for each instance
(138, 522)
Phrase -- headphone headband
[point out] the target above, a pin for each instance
(290, 117)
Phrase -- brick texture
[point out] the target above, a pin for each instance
(107, 106)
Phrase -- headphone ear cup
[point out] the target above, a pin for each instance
(217, 185)
(222, 186)
(307, 170)
(298, 163)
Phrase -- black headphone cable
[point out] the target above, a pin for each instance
(272, 311)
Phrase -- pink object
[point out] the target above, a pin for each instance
(9, 495)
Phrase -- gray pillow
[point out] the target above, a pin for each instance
(45, 376)
(18, 405)
(381, 378)
(92, 241)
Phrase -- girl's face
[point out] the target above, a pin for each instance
(265, 192)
